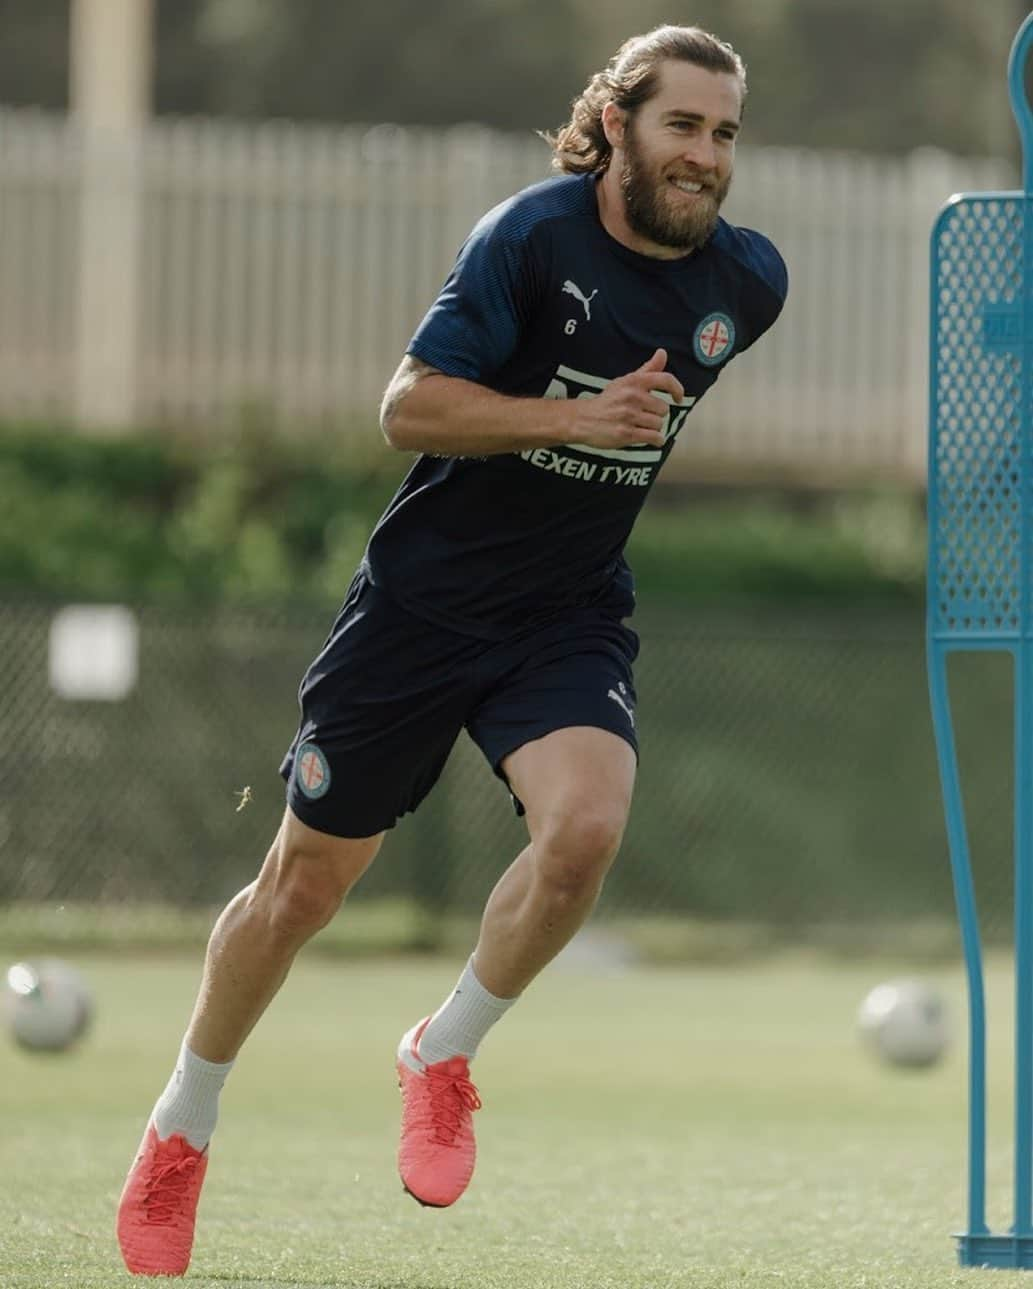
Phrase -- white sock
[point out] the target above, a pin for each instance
(190, 1103)
(460, 1023)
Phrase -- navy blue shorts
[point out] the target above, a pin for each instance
(389, 694)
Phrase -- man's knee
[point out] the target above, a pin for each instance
(306, 877)
(575, 847)
(304, 898)
(576, 786)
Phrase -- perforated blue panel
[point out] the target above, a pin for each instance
(979, 593)
(976, 466)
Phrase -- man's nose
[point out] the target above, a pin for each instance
(701, 153)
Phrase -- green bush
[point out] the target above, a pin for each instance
(155, 518)
(844, 547)
(256, 517)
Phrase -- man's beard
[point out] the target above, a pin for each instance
(655, 215)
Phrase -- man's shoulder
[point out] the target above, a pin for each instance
(558, 197)
(755, 253)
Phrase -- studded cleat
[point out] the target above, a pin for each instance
(437, 1150)
(158, 1205)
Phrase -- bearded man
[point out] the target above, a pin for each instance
(542, 393)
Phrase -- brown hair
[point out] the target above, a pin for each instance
(629, 80)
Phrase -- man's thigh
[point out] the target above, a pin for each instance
(301, 850)
(381, 707)
(575, 676)
(574, 773)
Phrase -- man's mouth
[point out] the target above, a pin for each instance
(691, 186)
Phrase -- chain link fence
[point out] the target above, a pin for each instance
(787, 779)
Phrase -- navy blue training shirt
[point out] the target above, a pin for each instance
(544, 303)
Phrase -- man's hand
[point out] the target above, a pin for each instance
(628, 411)
(426, 411)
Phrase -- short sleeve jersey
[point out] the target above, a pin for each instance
(544, 303)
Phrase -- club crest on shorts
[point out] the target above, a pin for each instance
(714, 339)
(311, 771)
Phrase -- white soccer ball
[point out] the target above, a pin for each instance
(904, 1022)
(47, 1003)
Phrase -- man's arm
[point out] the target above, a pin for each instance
(424, 410)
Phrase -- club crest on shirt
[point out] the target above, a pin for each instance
(312, 771)
(714, 339)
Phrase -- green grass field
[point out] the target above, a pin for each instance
(711, 1128)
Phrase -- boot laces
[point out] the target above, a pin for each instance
(452, 1097)
(168, 1190)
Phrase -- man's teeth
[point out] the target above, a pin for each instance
(686, 186)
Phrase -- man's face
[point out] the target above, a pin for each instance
(677, 154)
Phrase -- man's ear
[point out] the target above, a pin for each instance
(613, 122)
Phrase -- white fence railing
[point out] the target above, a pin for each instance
(204, 268)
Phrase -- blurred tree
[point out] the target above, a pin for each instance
(186, 65)
(925, 72)
(850, 74)
(823, 73)
(507, 63)
(34, 53)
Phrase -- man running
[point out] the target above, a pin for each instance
(542, 392)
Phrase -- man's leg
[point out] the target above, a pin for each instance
(575, 785)
(298, 890)
(305, 877)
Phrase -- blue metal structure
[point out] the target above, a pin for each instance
(980, 591)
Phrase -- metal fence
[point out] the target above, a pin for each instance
(787, 778)
(202, 269)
